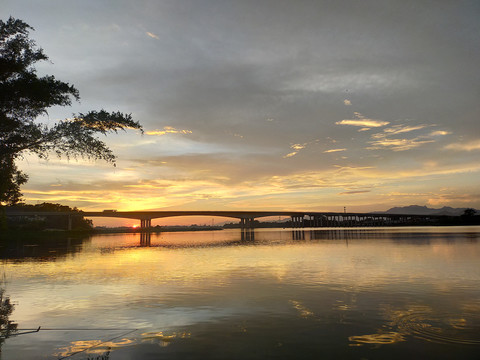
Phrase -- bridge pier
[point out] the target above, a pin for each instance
(298, 221)
(247, 223)
(145, 223)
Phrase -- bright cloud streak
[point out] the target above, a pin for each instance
(363, 122)
(298, 146)
(398, 144)
(440, 133)
(152, 35)
(167, 130)
(399, 129)
(334, 150)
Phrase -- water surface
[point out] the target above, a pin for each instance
(274, 293)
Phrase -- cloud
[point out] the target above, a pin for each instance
(298, 146)
(383, 140)
(152, 35)
(290, 154)
(167, 130)
(334, 150)
(440, 133)
(468, 146)
(397, 144)
(362, 121)
(399, 129)
(354, 192)
(254, 62)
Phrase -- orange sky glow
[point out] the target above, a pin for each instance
(311, 106)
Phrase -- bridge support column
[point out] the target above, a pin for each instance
(247, 223)
(145, 223)
(298, 221)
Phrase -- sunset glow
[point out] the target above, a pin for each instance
(243, 179)
(235, 120)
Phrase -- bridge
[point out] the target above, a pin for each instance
(247, 219)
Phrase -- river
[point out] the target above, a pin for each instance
(366, 293)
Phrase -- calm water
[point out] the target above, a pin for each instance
(382, 293)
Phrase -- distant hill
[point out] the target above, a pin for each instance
(423, 210)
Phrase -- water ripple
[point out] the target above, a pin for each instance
(424, 323)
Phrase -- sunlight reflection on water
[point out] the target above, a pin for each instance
(346, 293)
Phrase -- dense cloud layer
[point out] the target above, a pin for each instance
(319, 103)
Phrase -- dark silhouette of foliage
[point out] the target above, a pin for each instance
(468, 213)
(28, 222)
(7, 327)
(24, 96)
(470, 217)
(51, 207)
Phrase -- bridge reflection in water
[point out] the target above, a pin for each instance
(145, 239)
(246, 236)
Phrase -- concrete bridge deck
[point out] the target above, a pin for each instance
(247, 218)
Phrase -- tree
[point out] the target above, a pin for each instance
(26, 222)
(7, 326)
(469, 212)
(24, 96)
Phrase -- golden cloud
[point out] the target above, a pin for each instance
(298, 146)
(168, 130)
(334, 150)
(363, 123)
(398, 129)
(440, 133)
(397, 144)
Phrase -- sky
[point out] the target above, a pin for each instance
(265, 105)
